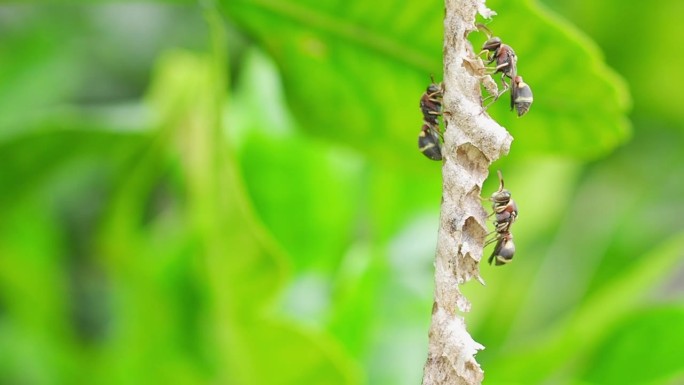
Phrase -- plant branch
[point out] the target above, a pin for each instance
(472, 141)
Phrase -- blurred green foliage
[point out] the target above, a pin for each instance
(192, 195)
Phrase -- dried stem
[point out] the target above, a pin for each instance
(472, 141)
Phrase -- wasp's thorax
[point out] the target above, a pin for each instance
(503, 55)
(431, 105)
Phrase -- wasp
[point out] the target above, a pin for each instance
(429, 136)
(521, 96)
(506, 64)
(505, 212)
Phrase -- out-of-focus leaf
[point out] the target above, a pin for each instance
(306, 191)
(639, 42)
(579, 103)
(33, 295)
(28, 160)
(377, 285)
(614, 219)
(34, 71)
(353, 72)
(52, 55)
(316, 188)
(385, 279)
(568, 342)
(620, 209)
(644, 349)
(241, 266)
(382, 281)
(542, 188)
(54, 185)
(320, 187)
(297, 356)
(650, 167)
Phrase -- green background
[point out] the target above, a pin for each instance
(231, 193)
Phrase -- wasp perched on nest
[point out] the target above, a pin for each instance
(506, 64)
(505, 213)
(429, 139)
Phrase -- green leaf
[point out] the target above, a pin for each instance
(35, 73)
(567, 342)
(297, 356)
(30, 159)
(586, 250)
(645, 348)
(239, 265)
(643, 56)
(33, 299)
(579, 103)
(290, 176)
(618, 210)
(317, 188)
(347, 215)
(56, 292)
(349, 73)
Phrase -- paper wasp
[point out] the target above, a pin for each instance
(505, 212)
(431, 107)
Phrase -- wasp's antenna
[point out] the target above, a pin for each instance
(483, 28)
(501, 180)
